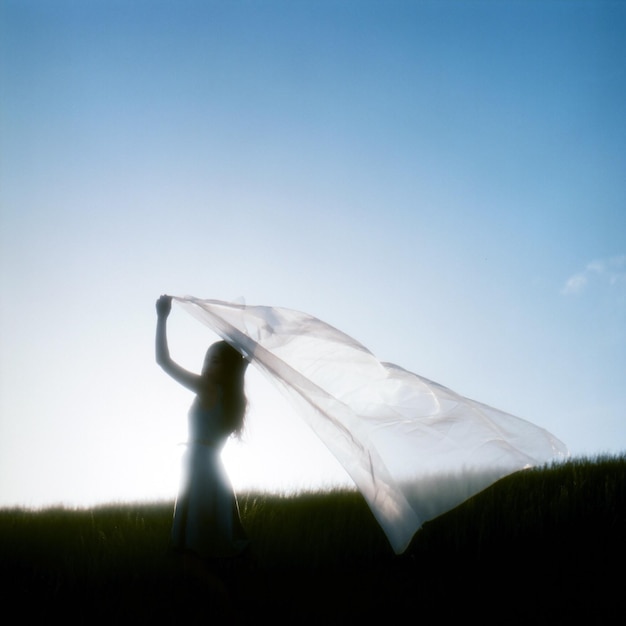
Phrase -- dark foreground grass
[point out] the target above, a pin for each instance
(541, 546)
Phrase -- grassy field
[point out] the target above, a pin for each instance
(541, 546)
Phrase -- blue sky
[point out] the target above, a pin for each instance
(444, 181)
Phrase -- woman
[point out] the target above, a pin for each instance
(206, 526)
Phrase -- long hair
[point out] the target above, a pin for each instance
(234, 397)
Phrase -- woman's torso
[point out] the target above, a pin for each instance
(207, 423)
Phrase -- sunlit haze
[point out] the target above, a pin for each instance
(444, 181)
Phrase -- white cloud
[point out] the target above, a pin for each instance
(574, 284)
(611, 270)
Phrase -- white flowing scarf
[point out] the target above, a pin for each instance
(414, 448)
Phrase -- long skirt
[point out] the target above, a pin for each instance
(206, 516)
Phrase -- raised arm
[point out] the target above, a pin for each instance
(188, 379)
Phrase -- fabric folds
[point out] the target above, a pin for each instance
(414, 448)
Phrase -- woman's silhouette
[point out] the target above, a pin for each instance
(207, 528)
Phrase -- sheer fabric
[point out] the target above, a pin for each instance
(414, 448)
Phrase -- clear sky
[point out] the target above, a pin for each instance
(444, 181)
